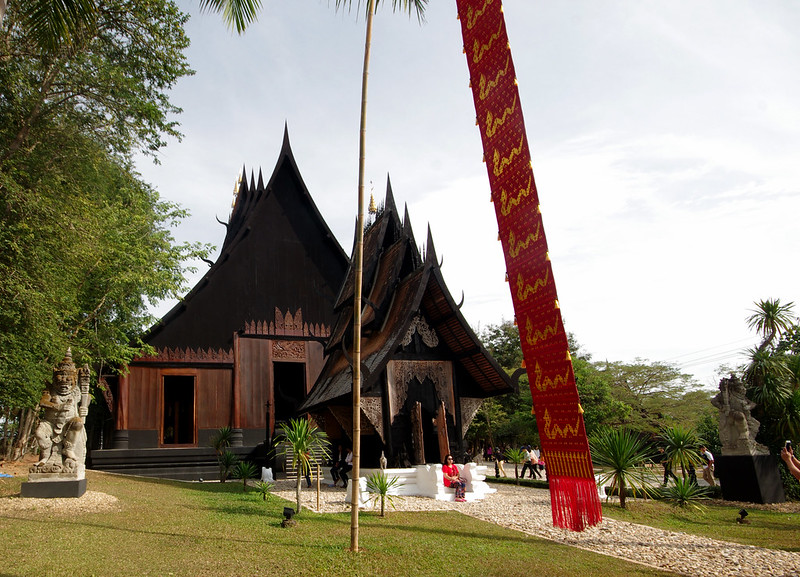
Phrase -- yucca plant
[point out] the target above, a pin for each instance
(308, 443)
(245, 470)
(221, 440)
(685, 493)
(680, 445)
(379, 484)
(515, 456)
(622, 455)
(264, 488)
(227, 461)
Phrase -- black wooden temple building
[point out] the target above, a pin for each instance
(266, 335)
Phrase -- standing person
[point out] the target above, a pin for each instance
(791, 461)
(708, 466)
(346, 467)
(338, 458)
(667, 464)
(451, 478)
(498, 462)
(535, 463)
(526, 460)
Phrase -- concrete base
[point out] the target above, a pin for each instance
(749, 478)
(54, 489)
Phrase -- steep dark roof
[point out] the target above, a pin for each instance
(398, 283)
(278, 253)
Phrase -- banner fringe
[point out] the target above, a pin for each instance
(575, 503)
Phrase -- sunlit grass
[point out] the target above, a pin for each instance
(199, 529)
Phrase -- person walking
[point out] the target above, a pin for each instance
(526, 460)
(708, 466)
(535, 463)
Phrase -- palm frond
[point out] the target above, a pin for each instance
(237, 14)
(412, 7)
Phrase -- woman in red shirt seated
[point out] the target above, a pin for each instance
(452, 479)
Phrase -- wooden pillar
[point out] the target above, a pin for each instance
(441, 429)
(120, 440)
(417, 436)
(236, 400)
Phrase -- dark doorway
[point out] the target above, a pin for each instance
(289, 383)
(425, 393)
(178, 422)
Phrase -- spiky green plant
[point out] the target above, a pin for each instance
(227, 461)
(264, 488)
(221, 440)
(622, 455)
(379, 484)
(681, 446)
(515, 456)
(685, 493)
(308, 444)
(245, 470)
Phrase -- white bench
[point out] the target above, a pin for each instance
(427, 481)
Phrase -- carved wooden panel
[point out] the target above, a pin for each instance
(469, 408)
(293, 350)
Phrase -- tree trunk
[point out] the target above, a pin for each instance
(622, 493)
(358, 266)
(26, 420)
(8, 435)
(298, 487)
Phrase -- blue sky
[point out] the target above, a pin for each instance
(665, 139)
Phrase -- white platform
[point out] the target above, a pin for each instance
(425, 481)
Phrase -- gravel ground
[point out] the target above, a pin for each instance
(528, 510)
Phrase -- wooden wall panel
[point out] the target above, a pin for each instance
(255, 371)
(315, 361)
(214, 397)
(144, 401)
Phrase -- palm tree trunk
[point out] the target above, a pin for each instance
(358, 266)
(298, 489)
(622, 493)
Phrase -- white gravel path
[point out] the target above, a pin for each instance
(528, 510)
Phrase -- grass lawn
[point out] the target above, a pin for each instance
(767, 528)
(211, 529)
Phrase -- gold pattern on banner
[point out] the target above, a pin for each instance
(485, 87)
(525, 290)
(559, 431)
(472, 17)
(478, 49)
(509, 204)
(534, 336)
(514, 247)
(493, 123)
(500, 163)
(547, 383)
(569, 463)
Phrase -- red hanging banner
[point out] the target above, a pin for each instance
(565, 448)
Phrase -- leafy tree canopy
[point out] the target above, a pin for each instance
(643, 396)
(85, 245)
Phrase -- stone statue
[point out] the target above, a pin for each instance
(61, 434)
(737, 428)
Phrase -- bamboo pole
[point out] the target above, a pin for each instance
(358, 266)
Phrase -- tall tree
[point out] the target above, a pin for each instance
(409, 6)
(85, 246)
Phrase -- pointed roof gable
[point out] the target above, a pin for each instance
(400, 284)
(278, 254)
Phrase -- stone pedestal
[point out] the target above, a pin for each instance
(750, 478)
(51, 486)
